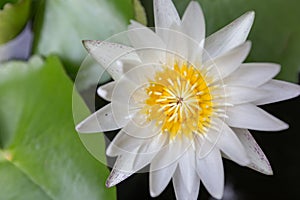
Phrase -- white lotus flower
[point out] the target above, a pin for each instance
(184, 101)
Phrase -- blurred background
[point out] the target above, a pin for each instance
(41, 155)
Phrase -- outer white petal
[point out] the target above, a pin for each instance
(116, 176)
(165, 14)
(259, 161)
(227, 63)
(181, 190)
(187, 167)
(279, 91)
(229, 37)
(239, 95)
(193, 23)
(229, 143)
(102, 120)
(249, 116)
(122, 169)
(150, 44)
(106, 54)
(159, 179)
(253, 74)
(146, 139)
(211, 173)
(105, 91)
(140, 156)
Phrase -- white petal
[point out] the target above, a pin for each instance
(227, 63)
(193, 22)
(105, 91)
(253, 74)
(204, 145)
(132, 138)
(178, 42)
(229, 37)
(211, 173)
(125, 166)
(170, 153)
(129, 89)
(139, 155)
(279, 91)
(259, 161)
(181, 45)
(102, 120)
(181, 190)
(105, 53)
(165, 14)
(159, 179)
(249, 116)
(116, 176)
(239, 95)
(149, 45)
(229, 143)
(187, 167)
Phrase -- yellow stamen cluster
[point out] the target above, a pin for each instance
(179, 100)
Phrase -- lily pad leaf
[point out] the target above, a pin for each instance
(41, 155)
(13, 18)
(61, 25)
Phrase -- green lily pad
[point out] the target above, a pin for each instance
(61, 25)
(275, 34)
(41, 155)
(13, 18)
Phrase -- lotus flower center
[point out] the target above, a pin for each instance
(179, 100)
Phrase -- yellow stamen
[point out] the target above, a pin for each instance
(179, 99)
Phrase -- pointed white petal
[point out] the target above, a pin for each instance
(165, 14)
(102, 120)
(229, 144)
(181, 190)
(279, 91)
(253, 74)
(122, 169)
(159, 179)
(125, 166)
(238, 94)
(249, 116)
(229, 37)
(187, 167)
(105, 91)
(211, 173)
(227, 63)
(259, 161)
(132, 138)
(116, 176)
(150, 44)
(193, 23)
(105, 53)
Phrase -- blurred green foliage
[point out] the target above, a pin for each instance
(13, 18)
(41, 155)
(61, 25)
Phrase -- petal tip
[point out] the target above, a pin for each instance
(90, 44)
(78, 127)
(152, 193)
(101, 92)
